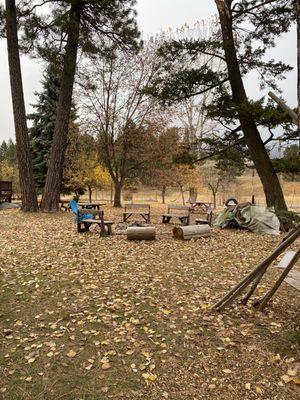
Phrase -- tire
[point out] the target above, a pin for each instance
(231, 200)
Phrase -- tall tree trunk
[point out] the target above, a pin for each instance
(163, 193)
(214, 194)
(117, 195)
(182, 193)
(28, 193)
(271, 185)
(50, 201)
(298, 66)
(111, 193)
(90, 193)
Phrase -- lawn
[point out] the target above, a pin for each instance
(84, 317)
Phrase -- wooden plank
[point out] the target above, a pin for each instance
(135, 213)
(293, 279)
(175, 207)
(284, 262)
(136, 205)
(175, 215)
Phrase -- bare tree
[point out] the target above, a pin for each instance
(114, 107)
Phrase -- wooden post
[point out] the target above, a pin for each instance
(260, 269)
(270, 294)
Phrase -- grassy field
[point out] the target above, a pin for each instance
(242, 189)
(90, 318)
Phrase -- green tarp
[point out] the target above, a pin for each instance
(246, 215)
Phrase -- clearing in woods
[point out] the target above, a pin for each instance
(84, 317)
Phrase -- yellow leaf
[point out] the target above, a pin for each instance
(204, 306)
(149, 377)
(286, 378)
(106, 365)
(296, 380)
(152, 377)
(258, 390)
(227, 371)
(292, 372)
(71, 354)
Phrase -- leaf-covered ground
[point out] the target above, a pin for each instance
(84, 317)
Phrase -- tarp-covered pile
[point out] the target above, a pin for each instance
(248, 216)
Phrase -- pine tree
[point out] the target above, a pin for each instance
(42, 130)
(43, 121)
(90, 25)
(29, 199)
(246, 30)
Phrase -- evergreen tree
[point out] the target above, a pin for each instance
(245, 32)
(3, 150)
(43, 121)
(8, 151)
(42, 130)
(289, 164)
(91, 26)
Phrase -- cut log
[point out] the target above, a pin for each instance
(141, 233)
(191, 232)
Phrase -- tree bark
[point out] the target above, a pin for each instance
(163, 194)
(117, 193)
(298, 67)
(27, 186)
(90, 190)
(182, 193)
(271, 185)
(141, 233)
(191, 232)
(50, 201)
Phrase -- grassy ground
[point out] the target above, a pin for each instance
(84, 317)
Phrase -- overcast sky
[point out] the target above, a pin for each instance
(154, 16)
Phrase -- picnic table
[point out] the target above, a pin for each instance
(176, 211)
(137, 209)
(205, 209)
(200, 206)
(64, 205)
(91, 206)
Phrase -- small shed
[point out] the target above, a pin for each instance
(6, 191)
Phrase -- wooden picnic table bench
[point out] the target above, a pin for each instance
(6, 190)
(64, 205)
(83, 225)
(206, 220)
(200, 206)
(137, 209)
(180, 212)
(91, 206)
